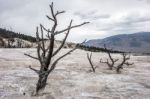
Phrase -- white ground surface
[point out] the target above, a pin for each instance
(72, 78)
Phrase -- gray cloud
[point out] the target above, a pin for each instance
(148, 1)
(9, 5)
(91, 15)
(107, 17)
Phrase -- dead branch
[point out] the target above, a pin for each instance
(69, 27)
(89, 57)
(59, 12)
(75, 26)
(112, 61)
(31, 56)
(37, 71)
(56, 61)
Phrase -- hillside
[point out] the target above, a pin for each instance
(10, 39)
(136, 42)
(4, 33)
(20, 43)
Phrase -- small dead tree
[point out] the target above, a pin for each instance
(10, 42)
(46, 54)
(19, 43)
(2, 43)
(89, 57)
(124, 62)
(110, 62)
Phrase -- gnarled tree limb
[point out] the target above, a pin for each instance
(63, 42)
(37, 71)
(31, 56)
(89, 57)
(112, 61)
(75, 26)
(124, 62)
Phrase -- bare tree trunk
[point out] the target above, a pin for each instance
(118, 69)
(41, 82)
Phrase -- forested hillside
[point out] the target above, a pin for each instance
(10, 34)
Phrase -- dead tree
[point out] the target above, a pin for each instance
(2, 43)
(19, 43)
(10, 42)
(45, 55)
(89, 57)
(110, 62)
(124, 62)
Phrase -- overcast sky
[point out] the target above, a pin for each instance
(106, 17)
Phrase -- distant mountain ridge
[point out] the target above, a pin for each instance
(136, 42)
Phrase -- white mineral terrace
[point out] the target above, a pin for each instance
(72, 78)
